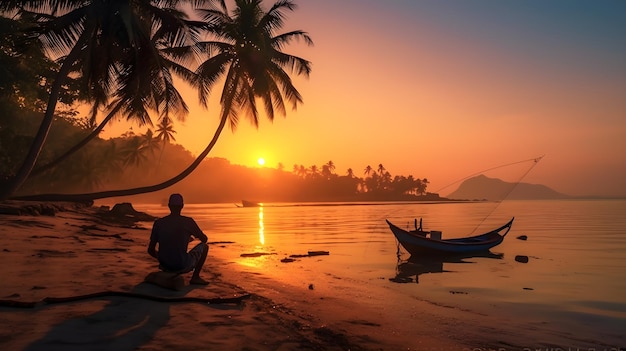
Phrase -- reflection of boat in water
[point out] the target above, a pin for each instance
(418, 242)
(246, 203)
(408, 271)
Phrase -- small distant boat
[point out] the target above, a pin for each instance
(419, 242)
(246, 203)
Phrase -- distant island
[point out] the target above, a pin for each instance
(482, 187)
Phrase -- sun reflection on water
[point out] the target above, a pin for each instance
(261, 227)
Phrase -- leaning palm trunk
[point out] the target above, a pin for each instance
(133, 191)
(42, 134)
(79, 145)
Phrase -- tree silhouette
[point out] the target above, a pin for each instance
(302, 171)
(135, 151)
(331, 166)
(113, 47)
(381, 169)
(165, 134)
(367, 170)
(165, 131)
(247, 54)
(150, 141)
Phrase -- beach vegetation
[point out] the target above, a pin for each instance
(125, 54)
(25, 82)
(115, 50)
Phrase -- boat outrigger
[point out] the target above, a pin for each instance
(419, 242)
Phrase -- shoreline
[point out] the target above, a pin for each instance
(75, 253)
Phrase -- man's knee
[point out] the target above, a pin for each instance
(201, 247)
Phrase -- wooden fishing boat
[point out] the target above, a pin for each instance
(419, 242)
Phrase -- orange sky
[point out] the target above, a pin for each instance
(441, 90)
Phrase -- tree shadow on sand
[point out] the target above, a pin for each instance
(122, 324)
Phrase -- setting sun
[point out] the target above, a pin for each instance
(261, 161)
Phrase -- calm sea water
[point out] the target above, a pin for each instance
(573, 286)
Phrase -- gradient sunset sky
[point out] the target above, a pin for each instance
(444, 89)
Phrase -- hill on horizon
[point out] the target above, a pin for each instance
(482, 187)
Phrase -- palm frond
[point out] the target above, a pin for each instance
(208, 73)
(275, 16)
(281, 40)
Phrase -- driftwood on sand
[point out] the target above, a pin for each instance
(124, 213)
(101, 294)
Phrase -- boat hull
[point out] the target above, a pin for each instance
(419, 244)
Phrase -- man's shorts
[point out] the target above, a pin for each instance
(193, 257)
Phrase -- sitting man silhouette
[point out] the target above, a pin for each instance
(173, 233)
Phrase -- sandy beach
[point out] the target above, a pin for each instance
(74, 252)
(53, 253)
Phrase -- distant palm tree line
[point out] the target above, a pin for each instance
(376, 180)
(137, 150)
(379, 181)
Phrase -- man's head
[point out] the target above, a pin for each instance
(175, 203)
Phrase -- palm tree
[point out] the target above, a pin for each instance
(150, 141)
(325, 171)
(134, 151)
(89, 173)
(386, 180)
(410, 184)
(371, 183)
(113, 46)
(331, 166)
(302, 171)
(350, 173)
(381, 169)
(367, 170)
(165, 131)
(421, 186)
(132, 103)
(247, 53)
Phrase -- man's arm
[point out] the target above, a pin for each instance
(197, 232)
(202, 237)
(153, 241)
(152, 249)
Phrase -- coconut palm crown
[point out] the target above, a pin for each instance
(246, 51)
